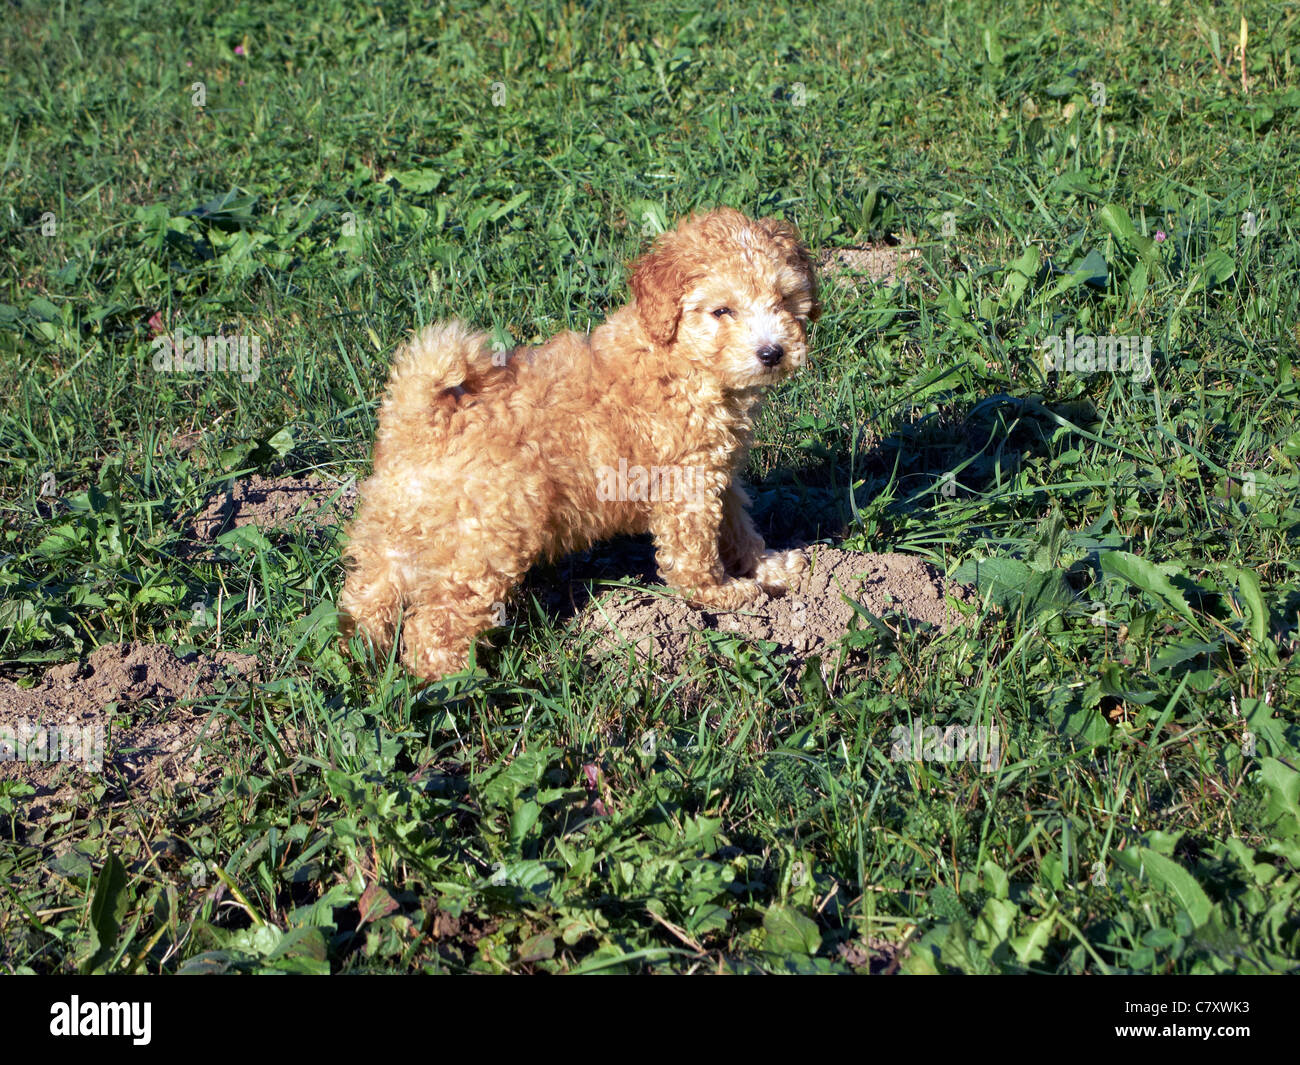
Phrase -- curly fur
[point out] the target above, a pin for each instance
(484, 464)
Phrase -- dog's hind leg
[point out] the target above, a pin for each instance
(434, 642)
(438, 631)
(454, 596)
(370, 603)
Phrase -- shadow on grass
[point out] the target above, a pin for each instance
(971, 449)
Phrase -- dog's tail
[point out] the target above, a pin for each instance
(431, 376)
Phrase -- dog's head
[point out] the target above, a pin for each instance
(730, 293)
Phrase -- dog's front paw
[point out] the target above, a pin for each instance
(778, 570)
(730, 595)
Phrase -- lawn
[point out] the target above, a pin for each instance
(323, 177)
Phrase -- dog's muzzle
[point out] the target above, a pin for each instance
(771, 354)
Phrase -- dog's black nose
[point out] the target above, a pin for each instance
(771, 354)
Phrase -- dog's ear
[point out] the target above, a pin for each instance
(658, 281)
(797, 254)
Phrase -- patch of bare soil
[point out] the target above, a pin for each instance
(883, 264)
(879, 957)
(809, 620)
(64, 723)
(275, 503)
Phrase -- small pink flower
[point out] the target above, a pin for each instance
(156, 326)
(239, 49)
(189, 62)
(241, 81)
(592, 775)
(1160, 236)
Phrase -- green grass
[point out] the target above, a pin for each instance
(350, 177)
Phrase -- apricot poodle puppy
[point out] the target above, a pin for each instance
(486, 462)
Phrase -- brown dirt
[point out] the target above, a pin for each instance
(809, 620)
(123, 682)
(275, 503)
(883, 264)
(880, 957)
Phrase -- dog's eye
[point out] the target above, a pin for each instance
(723, 310)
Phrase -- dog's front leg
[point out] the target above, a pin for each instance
(742, 549)
(739, 543)
(687, 540)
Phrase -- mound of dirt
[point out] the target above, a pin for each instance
(275, 503)
(809, 620)
(882, 264)
(62, 723)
